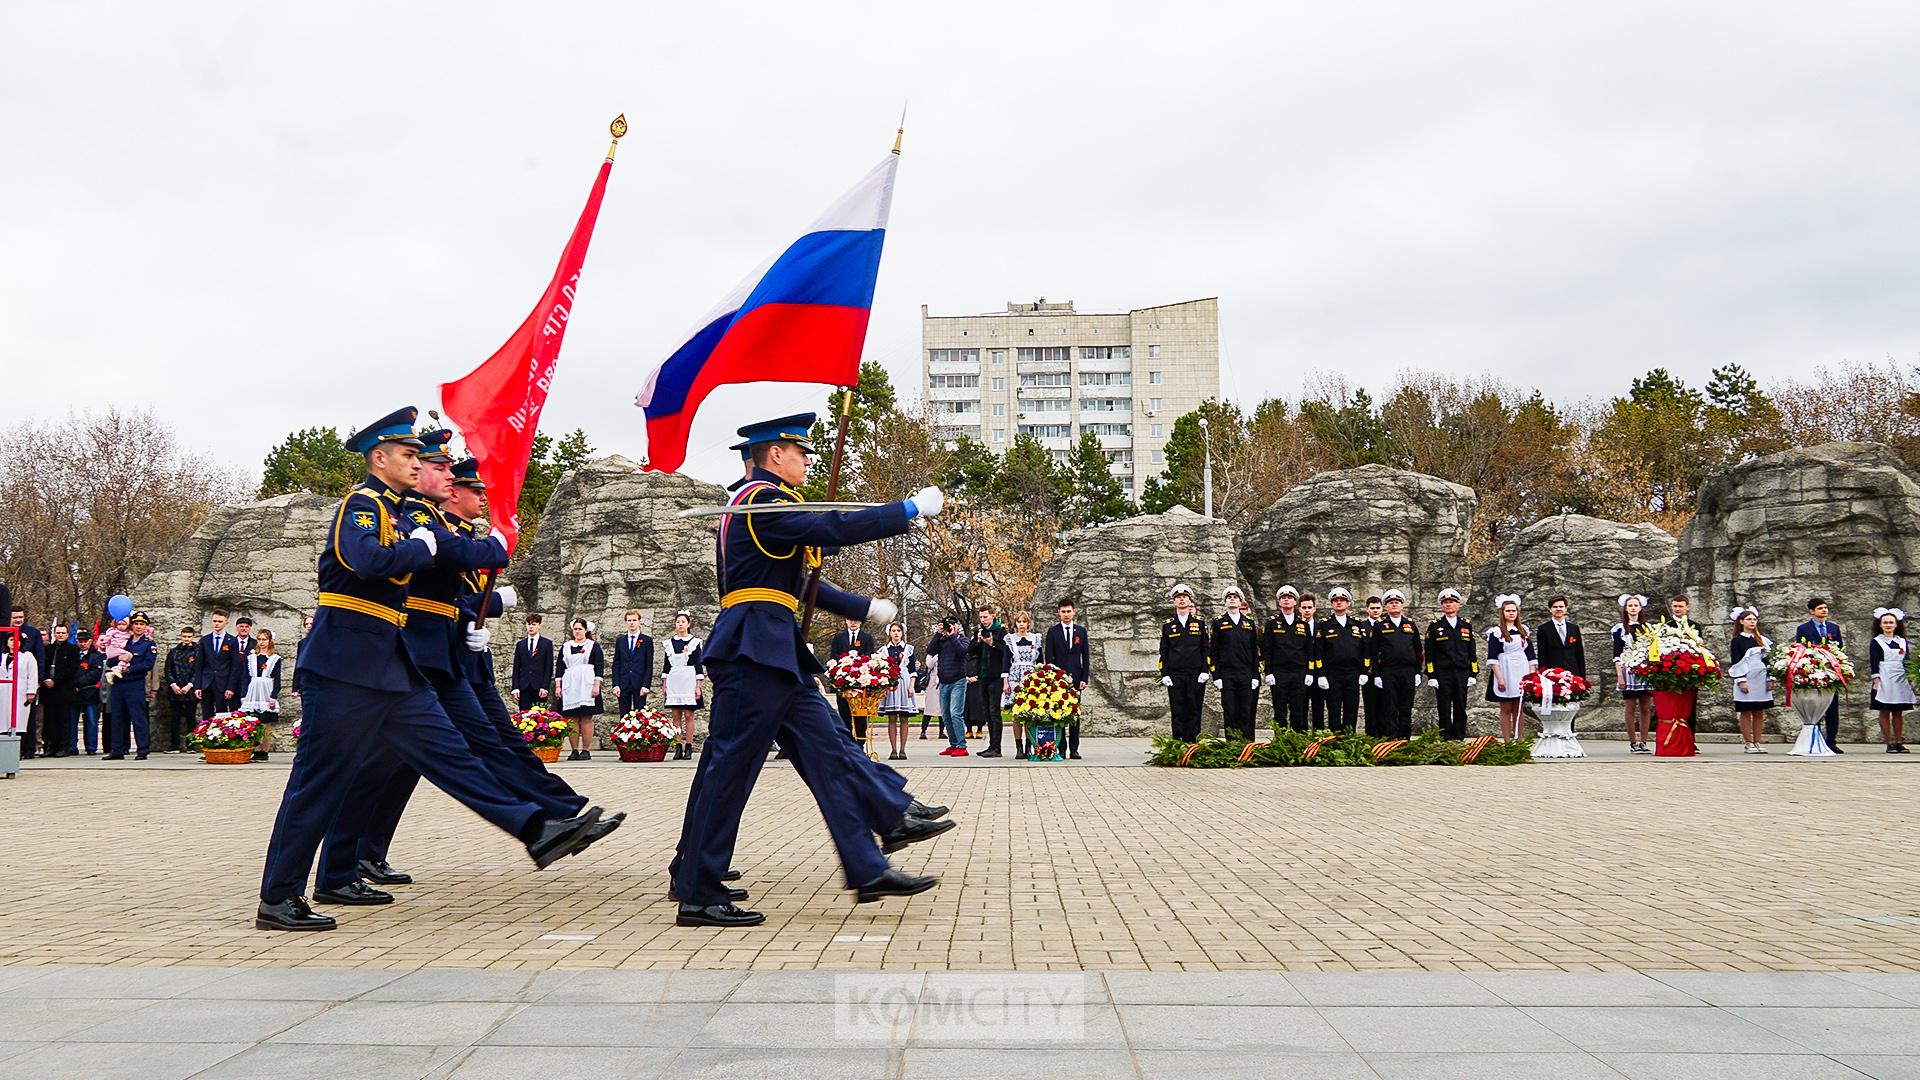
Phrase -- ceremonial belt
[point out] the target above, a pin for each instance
(433, 607)
(771, 596)
(364, 607)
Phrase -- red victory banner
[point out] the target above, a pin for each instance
(497, 406)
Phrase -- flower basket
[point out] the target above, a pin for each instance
(236, 732)
(1046, 695)
(1805, 667)
(1671, 657)
(543, 729)
(643, 732)
(862, 680)
(548, 754)
(225, 757)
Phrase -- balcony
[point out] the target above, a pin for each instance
(953, 393)
(1046, 393)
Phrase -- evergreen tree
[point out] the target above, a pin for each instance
(1094, 494)
(548, 464)
(315, 459)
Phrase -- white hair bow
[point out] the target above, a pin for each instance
(1506, 598)
(1893, 611)
(1739, 613)
(1626, 596)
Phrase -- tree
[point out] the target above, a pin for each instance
(1094, 494)
(1655, 438)
(1740, 417)
(95, 502)
(547, 464)
(873, 405)
(314, 459)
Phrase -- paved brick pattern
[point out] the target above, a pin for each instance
(1719, 864)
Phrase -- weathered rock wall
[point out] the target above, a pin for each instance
(1118, 574)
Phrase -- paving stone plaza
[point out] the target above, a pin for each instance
(1728, 916)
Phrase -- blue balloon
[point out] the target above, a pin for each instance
(119, 606)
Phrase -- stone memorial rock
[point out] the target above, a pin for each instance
(1840, 521)
(258, 559)
(1118, 574)
(1369, 529)
(1590, 562)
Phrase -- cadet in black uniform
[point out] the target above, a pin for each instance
(1233, 659)
(1396, 665)
(1183, 664)
(1453, 663)
(363, 696)
(1340, 650)
(1378, 723)
(1287, 648)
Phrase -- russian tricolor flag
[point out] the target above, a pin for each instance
(800, 317)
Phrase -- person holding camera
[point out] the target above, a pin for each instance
(986, 675)
(947, 660)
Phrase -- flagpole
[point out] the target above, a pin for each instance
(617, 128)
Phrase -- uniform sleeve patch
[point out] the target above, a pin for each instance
(363, 519)
(420, 517)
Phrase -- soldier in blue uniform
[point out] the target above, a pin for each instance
(437, 639)
(763, 673)
(128, 697)
(364, 697)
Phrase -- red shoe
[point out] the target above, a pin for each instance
(948, 752)
(959, 751)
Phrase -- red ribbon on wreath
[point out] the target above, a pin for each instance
(1472, 753)
(1246, 752)
(1381, 750)
(1313, 748)
(1187, 757)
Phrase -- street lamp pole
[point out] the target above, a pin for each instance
(1206, 471)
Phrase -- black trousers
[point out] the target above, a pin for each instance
(1396, 700)
(56, 721)
(183, 712)
(1237, 701)
(1831, 721)
(1290, 697)
(983, 706)
(214, 699)
(1073, 738)
(1342, 700)
(1450, 701)
(1184, 699)
(1378, 723)
(30, 734)
(856, 726)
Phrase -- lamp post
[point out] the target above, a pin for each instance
(1206, 471)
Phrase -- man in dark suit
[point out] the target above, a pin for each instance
(532, 666)
(30, 640)
(1557, 641)
(243, 633)
(852, 639)
(58, 678)
(1818, 630)
(1065, 647)
(219, 668)
(632, 666)
(987, 675)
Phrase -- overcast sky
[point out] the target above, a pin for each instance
(260, 217)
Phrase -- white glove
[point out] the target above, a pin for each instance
(1363, 680)
(1307, 680)
(1416, 682)
(1270, 680)
(1323, 683)
(507, 596)
(882, 610)
(1166, 680)
(495, 534)
(928, 502)
(425, 536)
(1471, 680)
(1378, 683)
(478, 638)
(1203, 678)
(1253, 684)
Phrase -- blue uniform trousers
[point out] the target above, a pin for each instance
(127, 707)
(881, 791)
(346, 726)
(751, 702)
(378, 797)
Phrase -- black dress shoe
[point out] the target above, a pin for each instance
(922, 810)
(290, 914)
(912, 830)
(383, 873)
(733, 894)
(988, 753)
(355, 893)
(1836, 748)
(114, 757)
(259, 755)
(894, 883)
(139, 757)
(717, 915)
(731, 875)
(1075, 756)
(601, 828)
(560, 838)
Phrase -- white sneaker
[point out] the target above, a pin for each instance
(1758, 749)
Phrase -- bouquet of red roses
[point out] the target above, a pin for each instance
(852, 673)
(1567, 687)
(1671, 657)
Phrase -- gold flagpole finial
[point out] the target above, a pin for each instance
(616, 129)
(901, 132)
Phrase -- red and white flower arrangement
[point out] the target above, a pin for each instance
(852, 673)
(1567, 687)
(226, 731)
(643, 727)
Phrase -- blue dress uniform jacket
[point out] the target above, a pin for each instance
(632, 668)
(764, 559)
(435, 630)
(364, 572)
